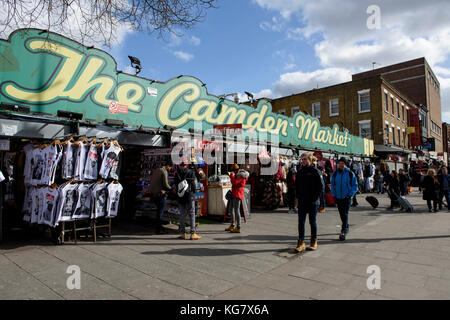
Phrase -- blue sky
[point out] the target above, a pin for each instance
(274, 48)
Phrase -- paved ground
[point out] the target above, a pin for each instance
(411, 250)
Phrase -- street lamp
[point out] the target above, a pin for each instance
(136, 64)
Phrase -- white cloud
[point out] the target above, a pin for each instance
(289, 66)
(195, 41)
(409, 29)
(275, 25)
(183, 55)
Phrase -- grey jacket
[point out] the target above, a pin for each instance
(160, 182)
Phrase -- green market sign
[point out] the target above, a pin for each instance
(49, 72)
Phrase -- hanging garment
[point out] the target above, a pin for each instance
(68, 161)
(51, 156)
(99, 197)
(38, 166)
(55, 164)
(91, 166)
(114, 191)
(108, 160)
(83, 206)
(67, 203)
(27, 171)
(114, 173)
(27, 204)
(80, 164)
(49, 205)
(34, 205)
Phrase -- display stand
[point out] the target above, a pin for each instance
(92, 226)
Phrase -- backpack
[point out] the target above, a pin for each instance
(182, 187)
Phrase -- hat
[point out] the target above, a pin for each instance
(342, 159)
(235, 167)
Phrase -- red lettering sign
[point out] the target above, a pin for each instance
(414, 122)
(116, 108)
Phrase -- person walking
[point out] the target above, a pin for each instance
(238, 179)
(186, 184)
(309, 185)
(444, 187)
(394, 189)
(344, 186)
(404, 182)
(379, 182)
(290, 179)
(430, 188)
(159, 186)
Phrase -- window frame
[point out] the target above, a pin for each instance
(329, 104)
(360, 93)
(313, 113)
(365, 122)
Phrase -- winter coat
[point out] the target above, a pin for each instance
(238, 183)
(343, 184)
(394, 186)
(187, 174)
(309, 185)
(431, 188)
(441, 178)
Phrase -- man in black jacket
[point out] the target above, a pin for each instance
(309, 186)
(186, 201)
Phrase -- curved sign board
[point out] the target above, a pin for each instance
(49, 72)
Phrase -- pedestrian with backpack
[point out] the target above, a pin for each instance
(343, 187)
(186, 184)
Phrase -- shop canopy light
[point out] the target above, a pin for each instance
(14, 107)
(70, 115)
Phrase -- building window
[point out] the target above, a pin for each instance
(403, 113)
(392, 105)
(398, 110)
(393, 134)
(316, 109)
(334, 107)
(387, 133)
(399, 137)
(294, 110)
(364, 101)
(364, 129)
(282, 111)
(386, 102)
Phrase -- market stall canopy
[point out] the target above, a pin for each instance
(50, 73)
(390, 149)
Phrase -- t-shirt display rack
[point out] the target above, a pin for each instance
(88, 190)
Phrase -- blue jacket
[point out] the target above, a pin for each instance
(343, 184)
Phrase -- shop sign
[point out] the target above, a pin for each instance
(49, 72)
(229, 129)
(410, 130)
(209, 145)
(414, 121)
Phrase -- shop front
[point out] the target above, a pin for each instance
(53, 88)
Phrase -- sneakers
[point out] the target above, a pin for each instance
(231, 227)
(195, 236)
(321, 209)
(301, 246)
(236, 230)
(342, 236)
(313, 244)
(182, 236)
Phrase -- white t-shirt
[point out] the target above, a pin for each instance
(69, 158)
(99, 197)
(83, 207)
(91, 167)
(109, 156)
(49, 206)
(114, 191)
(34, 205)
(38, 166)
(28, 149)
(68, 201)
(81, 160)
(51, 155)
(27, 203)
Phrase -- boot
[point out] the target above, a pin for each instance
(195, 236)
(231, 227)
(313, 244)
(321, 209)
(236, 230)
(182, 236)
(301, 246)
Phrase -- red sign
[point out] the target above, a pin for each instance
(228, 128)
(318, 155)
(414, 122)
(116, 108)
(208, 145)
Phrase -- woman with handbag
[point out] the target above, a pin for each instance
(394, 189)
(238, 179)
(430, 187)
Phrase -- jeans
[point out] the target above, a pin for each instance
(160, 207)
(187, 208)
(446, 194)
(380, 188)
(303, 210)
(291, 198)
(236, 211)
(322, 200)
(343, 208)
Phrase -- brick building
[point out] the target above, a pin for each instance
(416, 80)
(369, 107)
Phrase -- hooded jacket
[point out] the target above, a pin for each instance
(309, 185)
(343, 184)
(238, 183)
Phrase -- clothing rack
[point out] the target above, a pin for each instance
(93, 227)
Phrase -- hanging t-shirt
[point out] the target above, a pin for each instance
(51, 155)
(108, 160)
(34, 205)
(115, 169)
(99, 197)
(83, 207)
(55, 164)
(91, 167)
(68, 161)
(114, 191)
(81, 160)
(27, 204)
(50, 204)
(68, 202)
(28, 149)
(38, 164)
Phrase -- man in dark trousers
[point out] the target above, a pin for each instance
(343, 187)
(309, 186)
(186, 184)
(159, 186)
(444, 187)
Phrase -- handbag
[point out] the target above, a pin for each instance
(229, 195)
